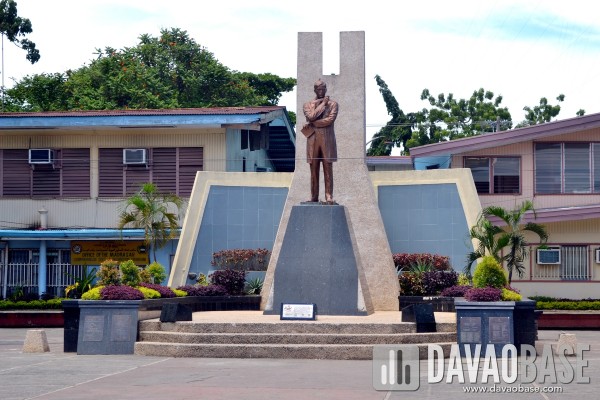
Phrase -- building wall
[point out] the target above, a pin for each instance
(236, 156)
(97, 212)
(525, 151)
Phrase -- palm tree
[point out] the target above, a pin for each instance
(485, 232)
(513, 234)
(151, 210)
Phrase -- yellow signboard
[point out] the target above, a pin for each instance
(94, 252)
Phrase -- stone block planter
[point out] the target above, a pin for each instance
(440, 303)
(107, 326)
(484, 323)
(495, 322)
(139, 310)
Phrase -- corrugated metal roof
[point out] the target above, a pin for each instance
(501, 138)
(214, 117)
(173, 111)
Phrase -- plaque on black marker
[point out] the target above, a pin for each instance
(470, 329)
(499, 329)
(121, 328)
(93, 328)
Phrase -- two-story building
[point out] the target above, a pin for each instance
(64, 177)
(557, 166)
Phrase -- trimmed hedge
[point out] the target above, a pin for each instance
(52, 304)
(568, 305)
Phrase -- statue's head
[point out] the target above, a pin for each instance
(319, 84)
(320, 88)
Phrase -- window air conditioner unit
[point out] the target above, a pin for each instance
(41, 156)
(597, 256)
(548, 256)
(134, 156)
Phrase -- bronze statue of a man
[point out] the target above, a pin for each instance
(321, 146)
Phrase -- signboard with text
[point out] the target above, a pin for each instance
(94, 252)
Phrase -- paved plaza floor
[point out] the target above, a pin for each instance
(63, 376)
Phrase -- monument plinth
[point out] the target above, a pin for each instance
(318, 263)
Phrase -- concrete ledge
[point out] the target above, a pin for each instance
(32, 319)
(554, 319)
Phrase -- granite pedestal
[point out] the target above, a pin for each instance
(318, 263)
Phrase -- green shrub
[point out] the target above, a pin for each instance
(509, 295)
(92, 294)
(109, 273)
(463, 280)
(411, 284)
(130, 273)
(157, 272)
(81, 285)
(254, 286)
(202, 280)
(542, 298)
(232, 280)
(149, 293)
(241, 259)
(403, 261)
(145, 276)
(489, 273)
(179, 293)
(420, 266)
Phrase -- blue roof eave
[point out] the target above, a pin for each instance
(82, 234)
(129, 121)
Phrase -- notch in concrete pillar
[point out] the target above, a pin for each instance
(43, 218)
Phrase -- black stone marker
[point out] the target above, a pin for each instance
(422, 315)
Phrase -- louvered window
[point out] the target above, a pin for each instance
(171, 169)
(68, 176)
(497, 175)
(567, 168)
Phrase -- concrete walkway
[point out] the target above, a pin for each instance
(63, 376)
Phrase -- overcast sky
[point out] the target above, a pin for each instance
(522, 50)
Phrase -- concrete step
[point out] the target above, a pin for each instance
(295, 338)
(286, 327)
(282, 351)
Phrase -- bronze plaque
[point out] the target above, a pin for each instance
(93, 328)
(470, 329)
(121, 328)
(499, 329)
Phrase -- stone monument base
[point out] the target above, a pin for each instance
(319, 264)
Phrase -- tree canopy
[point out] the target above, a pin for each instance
(168, 71)
(15, 28)
(447, 118)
